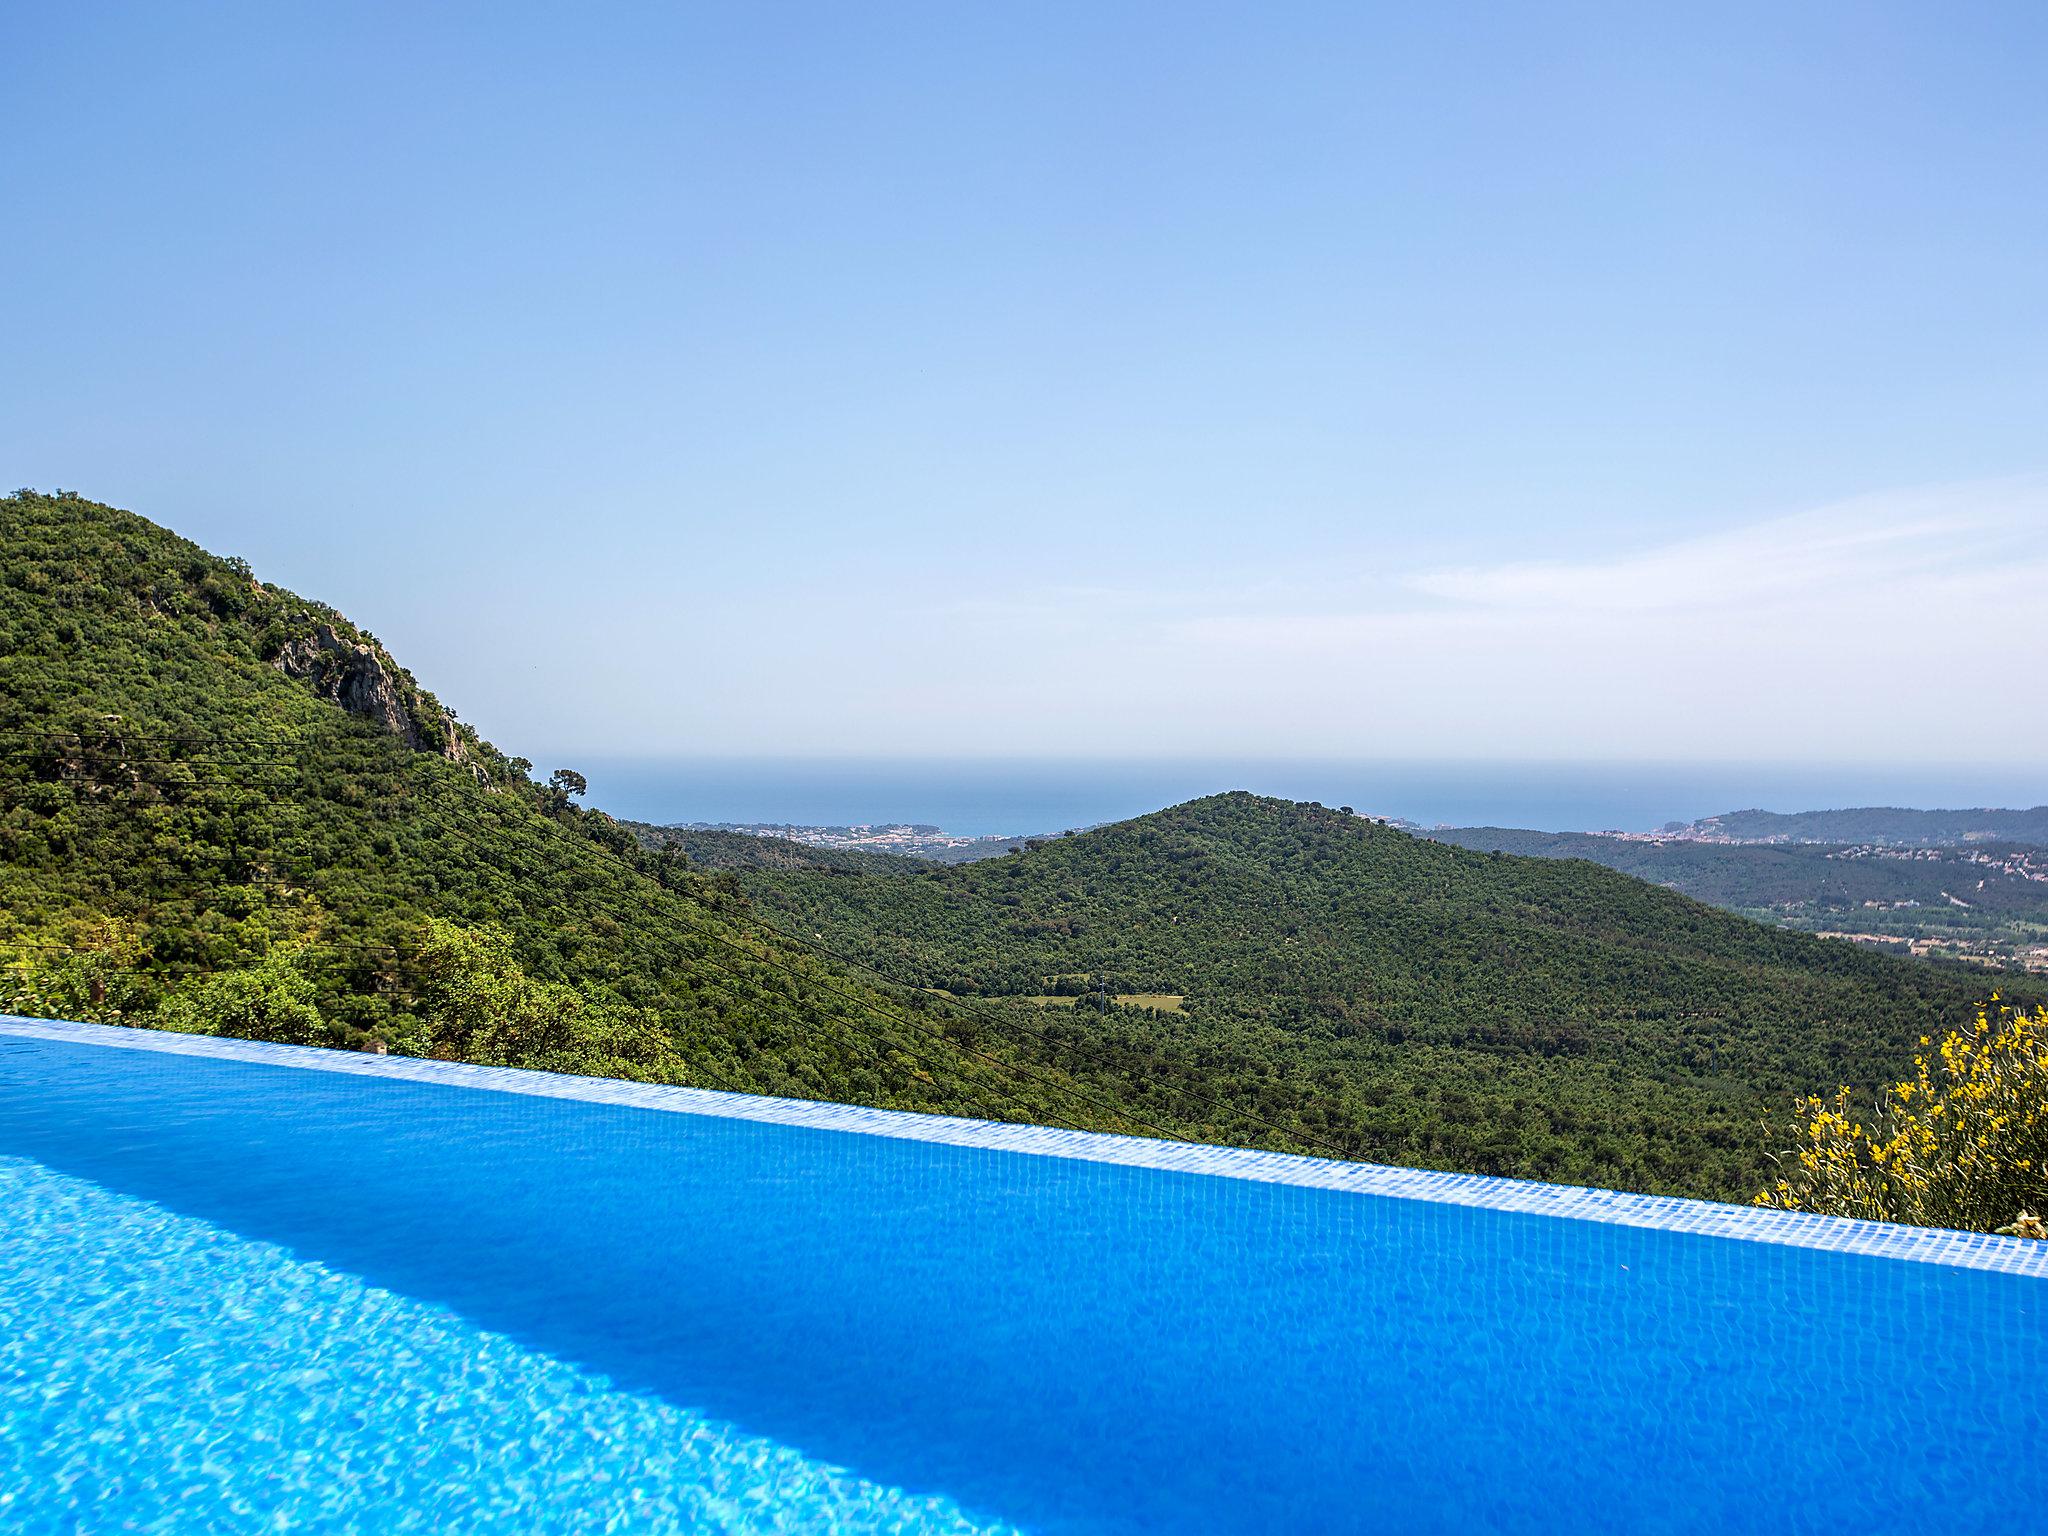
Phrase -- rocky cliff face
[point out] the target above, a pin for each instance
(354, 675)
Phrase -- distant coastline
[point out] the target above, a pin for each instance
(1010, 798)
(918, 840)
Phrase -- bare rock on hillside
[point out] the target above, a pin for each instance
(350, 674)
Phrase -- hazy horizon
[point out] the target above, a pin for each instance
(1462, 381)
(1021, 797)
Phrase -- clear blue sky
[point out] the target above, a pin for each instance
(1424, 380)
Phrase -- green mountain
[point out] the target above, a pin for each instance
(1411, 1001)
(225, 808)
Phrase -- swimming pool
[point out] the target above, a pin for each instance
(379, 1295)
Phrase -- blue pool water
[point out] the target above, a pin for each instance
(238, 1295)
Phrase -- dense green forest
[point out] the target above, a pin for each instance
(1415, 1001)
(225, 808)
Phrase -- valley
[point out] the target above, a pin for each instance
(226, 809)
(1979, 903)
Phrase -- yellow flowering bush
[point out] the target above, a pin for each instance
(1962, 1143)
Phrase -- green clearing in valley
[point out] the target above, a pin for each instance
(1163, 1002)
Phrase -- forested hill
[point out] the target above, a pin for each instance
(225, 808)
(1885, 825)
(1986, 902)
(1430, 1003)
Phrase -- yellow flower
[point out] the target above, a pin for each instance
(1951, 1163)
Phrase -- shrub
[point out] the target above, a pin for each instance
(273, 999)
(480, 1005)
(87, 974)
(1962, 1143)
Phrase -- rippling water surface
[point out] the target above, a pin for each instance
(254, 1297)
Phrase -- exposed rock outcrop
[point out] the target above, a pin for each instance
(350, 674)
(362, 679)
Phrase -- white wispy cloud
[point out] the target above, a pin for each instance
(1880, 562)
(1903, 625)
(1974, 531)
(1907, 626)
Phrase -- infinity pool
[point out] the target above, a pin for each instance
(254, 1288)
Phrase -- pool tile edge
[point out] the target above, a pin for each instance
(1970, 1250)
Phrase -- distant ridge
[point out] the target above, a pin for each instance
(1884, 825)
(226, 809)
(1424, 1003)
(1982, 902)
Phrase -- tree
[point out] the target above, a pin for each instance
(273, 999)
(91, 975)
(480, 1005)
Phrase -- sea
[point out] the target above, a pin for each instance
(986, 797)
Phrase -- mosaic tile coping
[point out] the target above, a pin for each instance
(1969, 1250)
